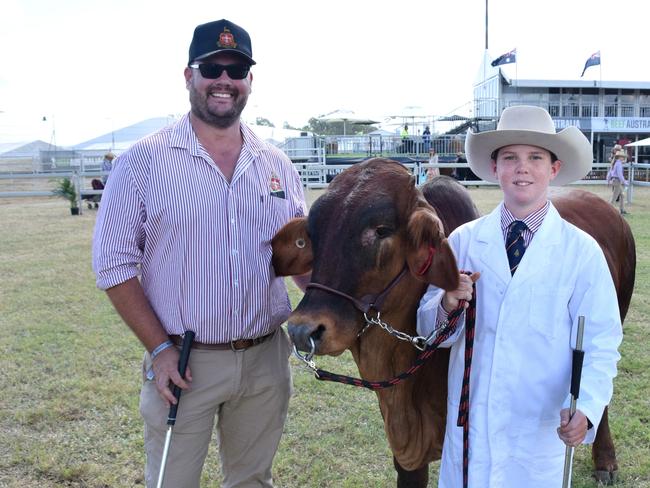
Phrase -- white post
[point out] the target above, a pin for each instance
(630, 190)
(76, 181)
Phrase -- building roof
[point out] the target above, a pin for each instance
(120, 140)
(579, 84)
(123, 138)
(25, 149)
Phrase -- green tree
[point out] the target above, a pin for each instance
(321, 128)
(336, 128)
(264, 122)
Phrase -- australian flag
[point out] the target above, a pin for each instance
(506, 58)
(593, 60)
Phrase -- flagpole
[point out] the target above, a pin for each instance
(516, 75)
(485, 58)
(486, 25)
(600, 69)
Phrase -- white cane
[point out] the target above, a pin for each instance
(173, 410)
(576, 373)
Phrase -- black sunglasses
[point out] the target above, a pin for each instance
(212, 71)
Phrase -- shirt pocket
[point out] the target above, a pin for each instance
(271, 213)
(549, 309)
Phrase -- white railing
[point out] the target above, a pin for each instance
(313, 176)
(305, 154)
(15, 184)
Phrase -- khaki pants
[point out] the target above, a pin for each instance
(248, 394)
(617, 192)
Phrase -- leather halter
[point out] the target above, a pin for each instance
(367, 301)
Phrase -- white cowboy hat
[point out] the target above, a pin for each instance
(523, 124)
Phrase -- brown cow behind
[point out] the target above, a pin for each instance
(371, 224)
(604, 223)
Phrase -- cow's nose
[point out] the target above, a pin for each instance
(301, 335)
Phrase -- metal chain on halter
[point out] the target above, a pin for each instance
(419, 342)
(432, 343)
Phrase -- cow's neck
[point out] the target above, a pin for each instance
(414, 434)
(375, 344)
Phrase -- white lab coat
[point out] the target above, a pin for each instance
(525, 332)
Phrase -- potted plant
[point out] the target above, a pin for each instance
(67, 190)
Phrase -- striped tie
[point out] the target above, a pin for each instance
(515, 246)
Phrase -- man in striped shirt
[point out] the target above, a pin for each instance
(183, 242)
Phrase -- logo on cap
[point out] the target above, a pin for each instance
(226, 39)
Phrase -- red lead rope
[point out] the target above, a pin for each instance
(463, 409)
(445, 333)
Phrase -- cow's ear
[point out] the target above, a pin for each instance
(429, 257)
(292, 253)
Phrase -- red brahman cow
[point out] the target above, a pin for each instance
(367, 240)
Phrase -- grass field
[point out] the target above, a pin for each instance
(70, 369)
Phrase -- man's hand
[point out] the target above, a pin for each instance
(573, 432)
(451, 299)
(165, 368)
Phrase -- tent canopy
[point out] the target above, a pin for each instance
(642, 142)
(346, 116)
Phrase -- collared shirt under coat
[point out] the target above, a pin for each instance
(201, 245)
(525, 331)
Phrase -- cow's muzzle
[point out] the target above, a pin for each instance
(305, 338)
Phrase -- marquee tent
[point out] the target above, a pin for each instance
(642, 142)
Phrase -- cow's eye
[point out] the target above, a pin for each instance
(383, 231)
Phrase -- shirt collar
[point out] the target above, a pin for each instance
(533, 221)
(183, 136)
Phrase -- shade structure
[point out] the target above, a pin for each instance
(412, 115)
(411, 112)
(347, 117)
(642, 142)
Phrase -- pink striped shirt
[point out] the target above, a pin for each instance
(533, 222)
(200, 245)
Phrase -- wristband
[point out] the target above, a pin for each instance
(160, 348)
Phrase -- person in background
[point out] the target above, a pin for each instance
(460, 172)
(406, 140)
(432, 172)
(426, 139)
(623, 141)
(183, 242)
(616, 178)
(107, 165)
(538, 275)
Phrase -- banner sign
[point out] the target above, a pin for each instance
(584, 124)
(620, 124)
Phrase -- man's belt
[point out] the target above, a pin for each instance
(235, 345)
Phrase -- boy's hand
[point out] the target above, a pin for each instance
(573, 432)
(451, 299)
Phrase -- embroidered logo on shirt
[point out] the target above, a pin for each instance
(276, 186)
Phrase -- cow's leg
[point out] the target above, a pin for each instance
(411, 479)
(603, 454)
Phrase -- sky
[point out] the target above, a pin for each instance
(71, 70)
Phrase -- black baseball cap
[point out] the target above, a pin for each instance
(220, 36)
